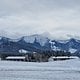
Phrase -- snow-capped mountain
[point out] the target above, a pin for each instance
(36, 43)
(31, 43)
(71, 45)
(40, 39)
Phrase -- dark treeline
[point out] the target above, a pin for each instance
(41, 56)
(56, 53)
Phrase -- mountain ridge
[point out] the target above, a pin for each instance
(38, 43)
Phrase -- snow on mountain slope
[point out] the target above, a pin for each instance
(72, 45)
(52, 43)
(23, 51)
(63, 41)
(0, 37)
(14, 40)
(40, 39)
(56, 48)
(72, 50)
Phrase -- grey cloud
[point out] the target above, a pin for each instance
(37, 16)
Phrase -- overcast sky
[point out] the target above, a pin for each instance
(25, 17)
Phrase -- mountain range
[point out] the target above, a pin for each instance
(36, 43)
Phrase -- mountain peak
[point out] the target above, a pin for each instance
(72, 39)
(39, 38)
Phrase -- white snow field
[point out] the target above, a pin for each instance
(56, 70)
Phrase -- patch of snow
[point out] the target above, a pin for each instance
(55, 48)
(63, 41)
(16, 57)
(23, 51)
(34, 52)
(0, 37)
(14, 40)
(62, 57)
(72, 50)
(52, 44)
(77, 40)
(74, 57)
